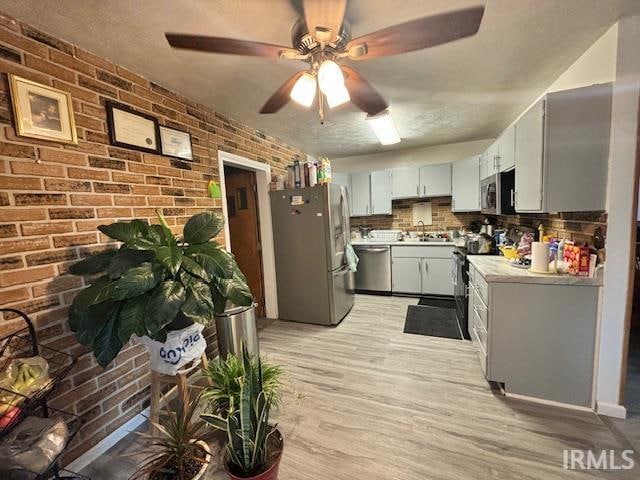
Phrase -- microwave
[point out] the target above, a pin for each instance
(489, 195)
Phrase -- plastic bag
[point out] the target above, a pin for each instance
(23, 376)
(31, 447)
(181, 347)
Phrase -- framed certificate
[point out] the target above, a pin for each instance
(175, 143)
(131, 129)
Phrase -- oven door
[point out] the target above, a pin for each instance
(461, 282)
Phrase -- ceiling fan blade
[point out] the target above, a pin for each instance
(281, 96)
(231, 46)
(362, 93)
(326, 15)
(418, 34)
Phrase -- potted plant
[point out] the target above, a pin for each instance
(254, 447)
(154, 283)
(179, 450)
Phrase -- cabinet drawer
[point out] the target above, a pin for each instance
(415, 251)
(482, 287)
(480, 331)
(480, 309)
(482, 354)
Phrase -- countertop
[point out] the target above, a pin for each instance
(406, 243)
(496, 268)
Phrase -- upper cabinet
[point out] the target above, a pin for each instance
(507, 149)
(405, 182)
(489, 161)
(381, 192)
(561, 152)
(371, 193)
(435, 180)
(465, 185)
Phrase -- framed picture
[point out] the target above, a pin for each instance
(176, 143)
(131, 129)
(41, 111)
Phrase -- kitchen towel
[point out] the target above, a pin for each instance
(540, 257)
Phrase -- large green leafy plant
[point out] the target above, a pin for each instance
(150, 280)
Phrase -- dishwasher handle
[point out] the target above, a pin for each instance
(373, 250)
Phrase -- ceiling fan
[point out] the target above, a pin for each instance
(323, 39)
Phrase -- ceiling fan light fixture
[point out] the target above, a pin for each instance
(338, 96)
(304, 90)
(383, 127)
(330, 78)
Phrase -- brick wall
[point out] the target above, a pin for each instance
(52, 198)
(401, 218)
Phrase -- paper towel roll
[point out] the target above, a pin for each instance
(540, 256)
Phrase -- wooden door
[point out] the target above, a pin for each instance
(244, 231)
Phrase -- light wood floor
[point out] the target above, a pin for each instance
(381, 404)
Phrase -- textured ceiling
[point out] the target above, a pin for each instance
(467, 90)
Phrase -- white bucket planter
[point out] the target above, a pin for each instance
(207, 458)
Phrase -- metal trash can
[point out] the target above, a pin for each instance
(235, 327)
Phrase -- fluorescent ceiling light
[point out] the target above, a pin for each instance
(330, 78)
(338, 96)
(304, 90)
(384, 128)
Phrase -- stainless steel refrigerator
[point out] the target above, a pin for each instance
(310, 233)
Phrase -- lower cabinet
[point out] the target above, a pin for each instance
(422, 270)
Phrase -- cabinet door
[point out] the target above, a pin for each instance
(493, 155)
(360, 194)
(405, 182)
(381, 192)
(436, 276)
(484, 165)
(406, 275)
(435, 180)
(507, 149)
(529, 159)
(465, 185)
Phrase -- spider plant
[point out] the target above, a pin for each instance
(225, 378)
(253, 445)
(175, 452)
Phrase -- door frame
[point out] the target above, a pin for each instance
(263, 177)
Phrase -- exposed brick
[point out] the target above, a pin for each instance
(46, 228)
(114, 212)
(134, 100)
(38, 169)
(95, 60)
(19, 183)
(132, 77)
(162, 110)
(113, 373)
(4, 199)
(157, 180)
(34, 306)
(71, 213)
(18, 277)
(7, 66)
(96, 86)
(88, 374)
(10, 54)
(100, 421)
(125, 154)
(88, 122)
(19, 214)
(127, 177)
(141, 168)
(79, 93)
(129, 200)
(49, 68)
(23, 43)
(57, 285)
(88, 401)
(62, 156)
(47, 39)
(23, 245)
(100, 162)
(94, 111)
(10, 230)
(67, 185)
(40, 199)
(11, 263)
(145, 190)
(98, 137)
(88, 174)
(134, 399)
(71, 62)
(73, 240)
(114, 80)
(51, 256)
(111, 187)
(90, 200)
(14, 150)
(14, 295)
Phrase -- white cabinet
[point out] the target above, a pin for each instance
(381, 192)
(435, 180)
(436, 276)
(406, 274)
(465, 185)
(405, 182)
(562, 150)
(507, 149)
(360, 194)
(489, 161)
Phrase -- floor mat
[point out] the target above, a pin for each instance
(432, 321)
(437, 302)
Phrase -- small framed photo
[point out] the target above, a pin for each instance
(176, 143)
(41, 111)
(129, 128)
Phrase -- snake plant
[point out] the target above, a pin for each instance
(247, 423)
(150, 280)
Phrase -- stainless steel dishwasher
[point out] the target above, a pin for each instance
(374, 268)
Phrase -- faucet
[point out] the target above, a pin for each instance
(423, 232)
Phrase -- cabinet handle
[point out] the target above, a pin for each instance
(424, 189)
(417, 190)
(513, 199)
(420, 267)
